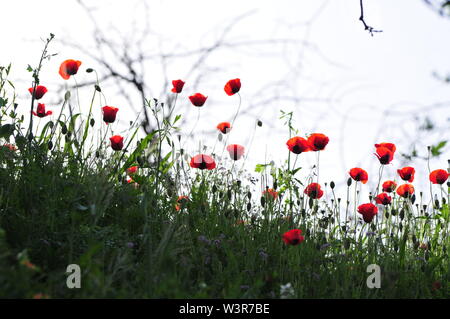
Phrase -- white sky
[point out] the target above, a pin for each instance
(345, 88)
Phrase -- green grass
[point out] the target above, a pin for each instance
(68, 202)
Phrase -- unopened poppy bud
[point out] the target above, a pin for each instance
(97, 88)
(89, 70)
(332, 185)
(349, 181)
(67, 96)
(259, 123)
(92, 122)
(50, 145)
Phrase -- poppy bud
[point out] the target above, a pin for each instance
(349, 181)
(332, 185)
(259, 123)
(249, 206)
(97, 88)
(89, 70)
(50, 145)
(92, 122)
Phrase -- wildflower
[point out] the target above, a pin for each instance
(177, 86)
(439, 176)
(203, 161)
(318, 141)
(383, 199)
(436, 285)
(298, 145)
(405, 190)
(271, 192)
(198, 99)
(232, 87)
(40, 112)
(132, 170)
(293, 237)
(109, 114)
(181, 202)
(224, 127)
(359, 175)
(236, 151)
(116, 142)
(286, 291)
(406, 173)
(313, 190)
(368, 211)
(10, 147)
(389, 146)
(389, 186)
(39, 91)
(384, 154)
(68, 68)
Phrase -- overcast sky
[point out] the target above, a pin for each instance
(355, 88)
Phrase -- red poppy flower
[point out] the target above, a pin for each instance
(298, 145)
(132, 170)
(224, 127)
(389, 146)
(385, 155)
(203, 161)
(359, 175)
(68, 68)
(405, 190)
(109, 114)
(236, 151)
(10, 147)
(407, 173)
(270, 192)
(293, 237)
(181, 201)
(439, 176)
(383, 199)
(232, 87)
(38, 92)
(40, 112)
(389, 186)
(318, 141)
(368, 211)
(313, 190)
(177, 86)
(198, 99)
(116, 142)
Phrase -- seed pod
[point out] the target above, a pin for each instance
(263, 201)
(349, 181)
